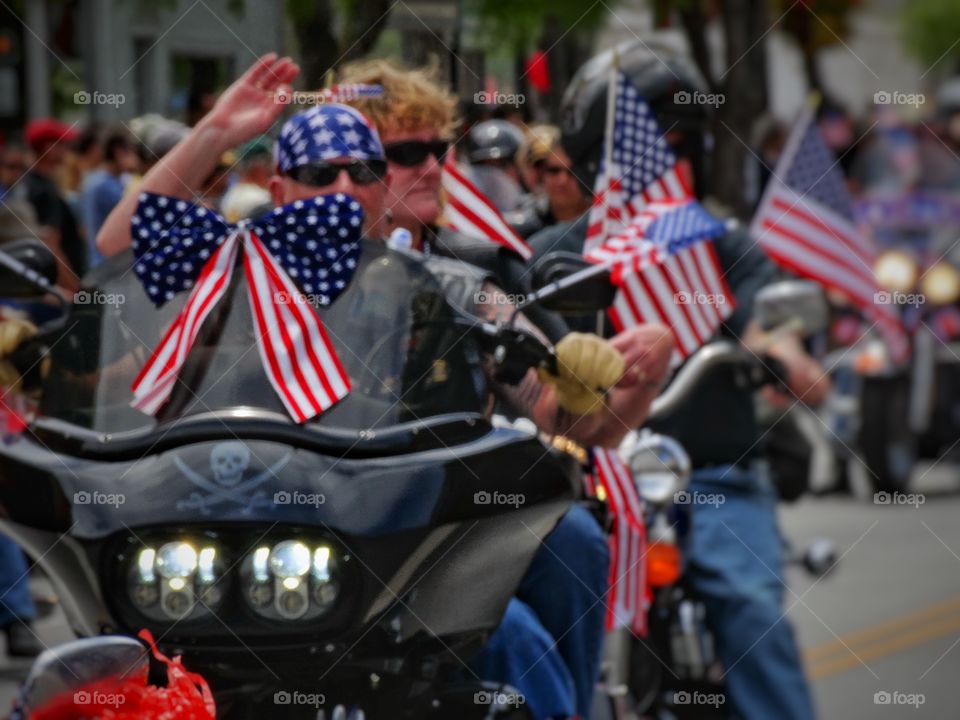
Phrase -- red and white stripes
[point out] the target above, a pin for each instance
(295, 351)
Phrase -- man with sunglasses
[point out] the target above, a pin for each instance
(561, 599)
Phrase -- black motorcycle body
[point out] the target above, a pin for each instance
(427, 515)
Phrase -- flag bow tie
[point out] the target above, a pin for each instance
(309, 246)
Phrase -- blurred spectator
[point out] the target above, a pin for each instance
(13, 165)
(85, 155)
(249, 192)
(536, 147)
(103, 187)
(768, 139)
(48, 139)
(566, 196)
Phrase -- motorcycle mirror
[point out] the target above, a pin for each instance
(659, 464)
(799, 304)
(77, 664)
(565, 283)
(28, 268)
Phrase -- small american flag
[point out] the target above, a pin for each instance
(470, 212)
(641, 167)
(667, 272)
(805, 223)
(627, 600)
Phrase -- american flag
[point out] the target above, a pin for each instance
(805, 223)
(627, 600)
(470, 212)
(641, 166)
(667, 272)
(179, 246)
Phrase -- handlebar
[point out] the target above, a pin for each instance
(721, 353)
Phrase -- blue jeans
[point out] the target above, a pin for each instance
(735, 563)
(15, 601)
(551, 638)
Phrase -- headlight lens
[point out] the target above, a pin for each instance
(896, 271)
(290, 580)
(941, 284)
(176, 581)
(659, 464)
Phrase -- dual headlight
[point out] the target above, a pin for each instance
(898, 271)
(181, 580)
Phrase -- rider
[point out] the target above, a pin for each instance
(316, 156)
(734, 555)
(561, 592)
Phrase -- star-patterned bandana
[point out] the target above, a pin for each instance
(326, 132)
(308, 245)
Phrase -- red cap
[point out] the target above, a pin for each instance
(40, 133)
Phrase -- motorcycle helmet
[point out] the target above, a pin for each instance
(670, 83)
(493, 140)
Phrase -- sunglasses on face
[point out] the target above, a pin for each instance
(320, 174)
(411, 153)
(554, 170)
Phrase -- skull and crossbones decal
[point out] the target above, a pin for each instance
(228, 463)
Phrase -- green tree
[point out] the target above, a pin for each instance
(931, 29)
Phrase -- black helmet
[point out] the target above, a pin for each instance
(493, 140)
(666, 78)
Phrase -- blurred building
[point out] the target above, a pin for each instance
(104, 59)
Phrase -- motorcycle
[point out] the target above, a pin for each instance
(674, 671)
(347, 566)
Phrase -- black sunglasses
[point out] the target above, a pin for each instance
(553, 169)
(320, 174)
(411, 153)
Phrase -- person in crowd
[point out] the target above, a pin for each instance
(104, 186)
(14, 163)
(254, 167)
(491, 150)
(48, 139)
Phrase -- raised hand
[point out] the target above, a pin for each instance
(250, 105)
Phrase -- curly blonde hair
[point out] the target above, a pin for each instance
(413, 99)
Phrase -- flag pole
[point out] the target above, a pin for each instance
(608, 130)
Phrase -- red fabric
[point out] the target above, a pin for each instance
(538, 72)
(40, 133)
(186, 697)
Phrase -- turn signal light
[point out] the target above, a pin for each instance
(664, 564)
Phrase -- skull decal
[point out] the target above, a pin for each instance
(228, 461)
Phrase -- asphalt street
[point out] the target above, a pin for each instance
(880, 634)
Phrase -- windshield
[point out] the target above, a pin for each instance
(394, 332)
